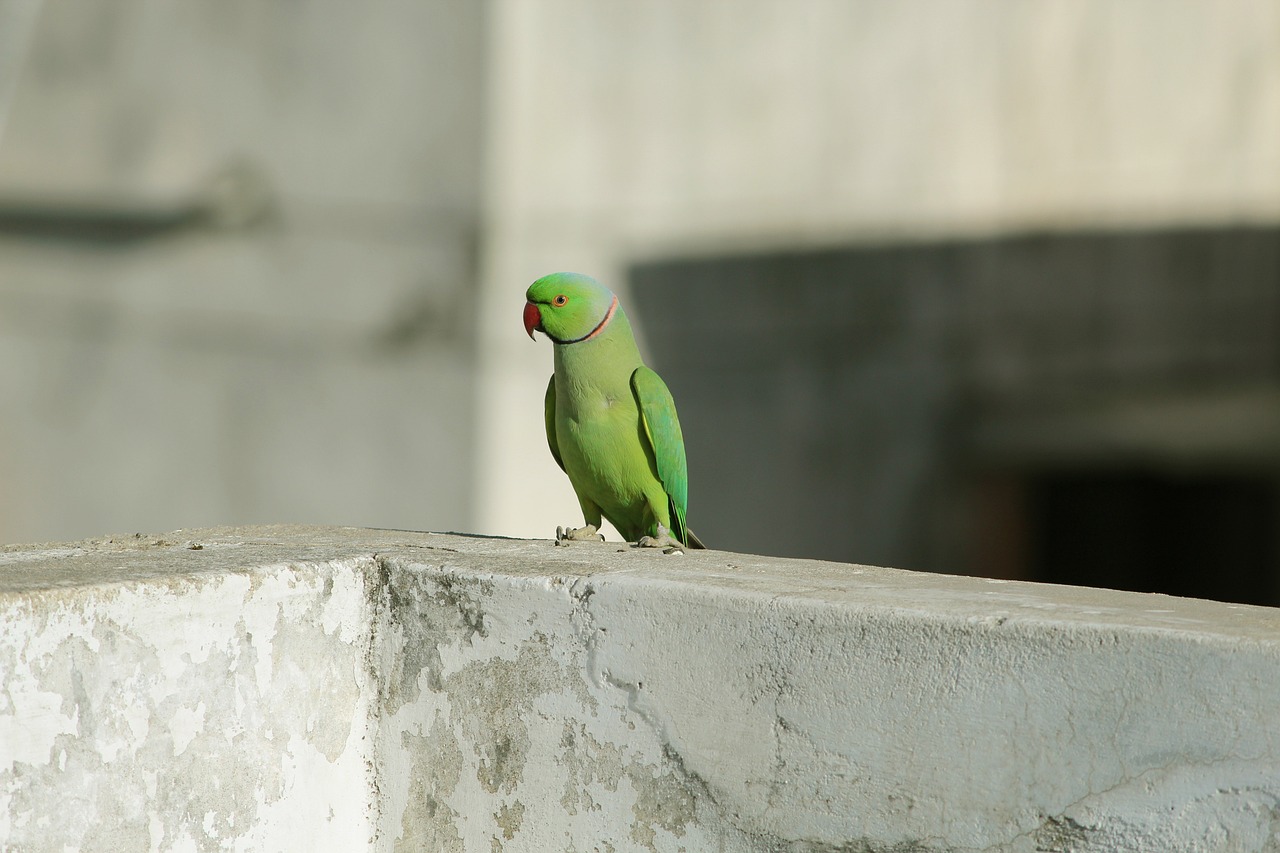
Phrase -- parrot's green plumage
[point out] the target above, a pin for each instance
(611, 422)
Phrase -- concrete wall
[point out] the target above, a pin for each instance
(228, 233)
(291, 688)
(628, 132)
(164, 381)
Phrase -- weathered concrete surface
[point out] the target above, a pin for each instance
(321, 688)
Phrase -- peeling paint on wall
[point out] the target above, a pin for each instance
(521, 711)
(168, 730)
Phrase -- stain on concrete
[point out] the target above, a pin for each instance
(435, 767)
(601, 847)
(509, 818)
(425, 611)
(307, 661)
(492, 701)
(806, 846)
(587, 762)
(463, 596)
(663, 801)
(1061, 834)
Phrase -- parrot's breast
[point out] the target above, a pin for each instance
(605, 453)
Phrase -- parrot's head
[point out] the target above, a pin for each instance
(568, 307)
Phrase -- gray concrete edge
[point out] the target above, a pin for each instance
(514, 693)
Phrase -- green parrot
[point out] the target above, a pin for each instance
(611, 422)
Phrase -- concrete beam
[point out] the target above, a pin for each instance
(325, 688)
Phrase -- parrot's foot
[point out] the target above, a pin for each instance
(664, 540)
(565, 535)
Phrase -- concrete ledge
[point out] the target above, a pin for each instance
(289, 688)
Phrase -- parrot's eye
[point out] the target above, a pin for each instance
(560, 300)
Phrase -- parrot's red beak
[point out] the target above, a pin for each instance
(532, 318)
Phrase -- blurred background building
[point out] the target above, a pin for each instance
(976, 287)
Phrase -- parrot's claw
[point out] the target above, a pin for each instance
(664, 540)
(589, 533)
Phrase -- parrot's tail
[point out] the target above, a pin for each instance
(694, 541)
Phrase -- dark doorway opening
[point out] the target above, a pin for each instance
(1098, 408)
(1202, 536)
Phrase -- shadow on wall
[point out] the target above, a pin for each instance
(1094, 408)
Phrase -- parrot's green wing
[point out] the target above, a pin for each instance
(549, 408)
(658, 414)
